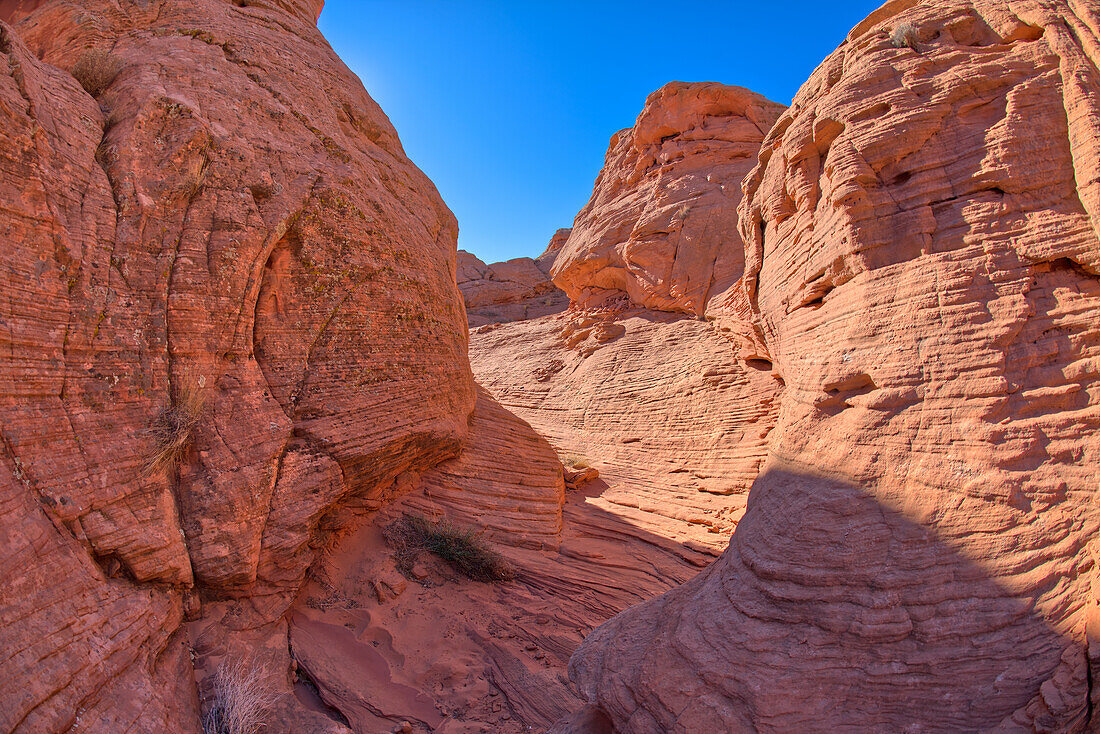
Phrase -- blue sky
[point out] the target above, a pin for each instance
(509, 106)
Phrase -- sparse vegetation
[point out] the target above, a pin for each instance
(334, 597)
(576, 461)
(241, 698)
(904, 35)
(463, 548)
(173, 427)
(95, 70)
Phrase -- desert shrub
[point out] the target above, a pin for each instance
(904, 35)
(95, 70)
(173, 426)
(241, 698)
(577, 461)
(463, 548)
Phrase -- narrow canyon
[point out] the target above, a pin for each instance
(795, 428)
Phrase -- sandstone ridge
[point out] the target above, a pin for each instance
(661, 226)
(921, 273)
(511, 291)
(231, 324)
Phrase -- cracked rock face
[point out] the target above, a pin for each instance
(922, 269)
(229, 308)
(661, 225)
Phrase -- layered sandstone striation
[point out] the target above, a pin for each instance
(230, 313)
(661, 226)
(676, 427)
(922, 270)
(514, 290)
(658, 403)
(508, 480)
(443, 652)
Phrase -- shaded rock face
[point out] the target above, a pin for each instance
(230, 308)
(922, 270)
(661, 225)
(507, 480)
(511, 291)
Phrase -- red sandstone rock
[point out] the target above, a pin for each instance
(511, 291)
(920, 303)
(485, 656)
(661, 225)
(922, 271)
(230, 237)
(507, 479)
(576, 478)
(656, 402)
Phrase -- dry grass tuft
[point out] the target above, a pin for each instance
(905, 35)
(466, 550)
(242, 697)
(577, 461)
(173, 427)
(95, 70)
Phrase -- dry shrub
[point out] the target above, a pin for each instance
(95, 70)
(334, 597)
(173, 427)
(463, 548)
(242, 696)
(904, 35)
(577, 461)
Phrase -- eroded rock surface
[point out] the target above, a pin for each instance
(922, 270)
(229, 309)
(438, 650)
(656, 402)
(508, 480)
(514, 290)
(661, 225)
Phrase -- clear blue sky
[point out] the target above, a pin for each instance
(508, 106)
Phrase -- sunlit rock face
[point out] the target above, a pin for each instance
(513, 290)
(661, 226)
(919, 552)
(229, 310)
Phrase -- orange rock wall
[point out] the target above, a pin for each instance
(661, 225)
(227, 235)
(922, 271)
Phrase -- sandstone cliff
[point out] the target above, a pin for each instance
(230, 314)
(511, 291)
(922, 274)
(661, 226)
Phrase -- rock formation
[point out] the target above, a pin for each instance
(230, 313)
(922, 268)
(511, 291)
(658, 403)
(661, 225)
(233, 332)
(508, 480)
